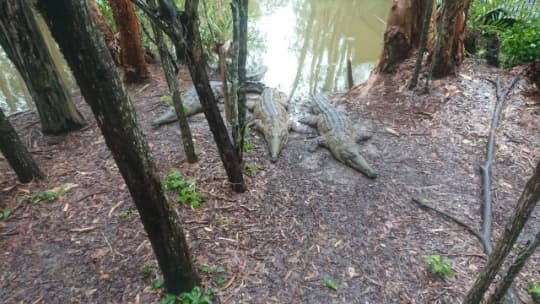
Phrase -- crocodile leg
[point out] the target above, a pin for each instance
(361, 137)
(310, 120)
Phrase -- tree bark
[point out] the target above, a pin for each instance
(131, 50)
(242, 60)
(85, 50)
(402, 35)
(449, 51)
(108, 35)
(172, 82)
(197, 70)
(423, 41)
(25, 46)
(513, 271)
(16, 153)
(525, 206)
(534, 73)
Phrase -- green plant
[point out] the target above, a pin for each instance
(166, 100)
(186, 188)
(247, 146)
(534, 288)
(5, 213)
(195, 296)
(148, 270)
(250, 168)
(47, 196)
(439, 266)
(127, 213)
(218, 271)
(168, 299)
(157, 283)
(331, 284)
(537, 145)
(521, 43)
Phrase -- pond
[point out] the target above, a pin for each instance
(304, 43)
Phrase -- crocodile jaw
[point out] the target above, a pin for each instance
(274, 146)
(357, 162)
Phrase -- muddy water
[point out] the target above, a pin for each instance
(14, 95)
(306, 43)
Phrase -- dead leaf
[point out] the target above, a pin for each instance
(392, 131)
(85, 229)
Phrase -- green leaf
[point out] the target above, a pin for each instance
(205, 268)
(168, 299)
(157, 283)
(331, 284)
(7, 212)
(537, 145)
(424, 201)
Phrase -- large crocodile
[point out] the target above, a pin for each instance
(338, 135)
(192, 105)
(271, 119)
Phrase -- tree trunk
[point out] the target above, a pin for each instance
(402, 35)
(108, 35)
(168, 69)
(242, 59)
(513, 271)
(449, 51)
(25, 46)
(16, 153)
(525, 206)
(131, 50)
(84, 48)
(423, 41)
(198, 73)
(534, 73)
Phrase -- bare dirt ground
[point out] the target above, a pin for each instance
(305, 219)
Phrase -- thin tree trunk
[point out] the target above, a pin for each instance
(196, 66)
(110, 40)
(423, 41)
(185, 35)
(131, 50)
(172, 82)
(240, 18)
(448, 53)
(16, 153)
(85, 50)
(525, 206)
(25, 46)
(513, 271)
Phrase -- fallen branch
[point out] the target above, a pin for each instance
(453, 219)
(486, 167)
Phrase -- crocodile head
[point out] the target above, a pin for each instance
(276, 139)
(352, 158)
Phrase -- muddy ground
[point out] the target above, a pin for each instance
(305, 219)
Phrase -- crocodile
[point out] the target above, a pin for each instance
(338, 135)
(271, 119)
(192, 105)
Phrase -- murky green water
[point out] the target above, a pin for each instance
(304, 43)
(14, 95)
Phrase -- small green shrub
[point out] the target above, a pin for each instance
(195, 296)
(218, 271)
(521, 43)
(166, 100)
(168, 299)
(250, 168)
(186, 188)
(248, 146)
(157, 283)
(534, 288)
(127, 213)
(148, 270)
(5, 213)
(47, 196)
(439, 266)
